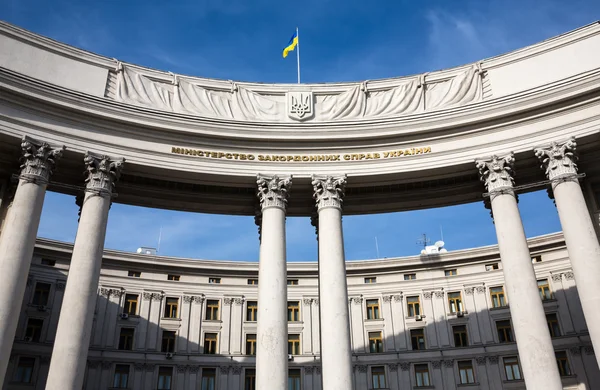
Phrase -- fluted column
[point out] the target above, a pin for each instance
(69, 355)
(558, 160)
(336, 354)
(18, 237)
(527, 313)
(271, 346)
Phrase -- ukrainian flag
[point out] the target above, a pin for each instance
(291, 45)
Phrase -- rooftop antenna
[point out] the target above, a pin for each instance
(423, 240)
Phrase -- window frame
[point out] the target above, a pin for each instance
(381, 377)
(467, 365)
(21, 373)
(411, 276)
(214, 280)
(292, 282)
(118, 385)
(128, 303)
(210, 374)
(170, 336)
(212, 310)
(213, 343)
(565, 368)
(293, 311)
(514, 363)
(451, 272)
(134, 274)
(413, 342)
(464, 341)
(252, 282)
(493, 267)
(553, 321)
(294, 344)
(504, 327)
(296, 374)
(414, 306)
(250, 379)
(252, 311)
(29, 326)
(456, 301)
(164, 372)
(545, 290)
(422, 368)
(127, 338)
(370, 280)
(375, 341)
(251, 344)
(499, 295)
(173, 277)
(373, 309)
(36, 300)
(171, 309)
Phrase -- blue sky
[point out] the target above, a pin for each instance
(340, 41)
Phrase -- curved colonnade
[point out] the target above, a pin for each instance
(214, 146)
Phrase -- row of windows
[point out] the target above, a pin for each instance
(176, 278)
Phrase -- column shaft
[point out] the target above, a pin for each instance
(18, 238)
(272, 332)
(69, 355)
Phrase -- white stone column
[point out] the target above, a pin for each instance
(225, 337)
(18, 237)
(237, 315)
(336, 354)
(583, 247)
(527, 313)
(271, 346)
(69, 354)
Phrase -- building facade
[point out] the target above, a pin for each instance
(483, 132)
(426, 321)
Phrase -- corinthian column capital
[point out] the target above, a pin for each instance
(329, 191)
(497, 173)
(273, 191)
(38, 160)
(102, 173)
(558, 160)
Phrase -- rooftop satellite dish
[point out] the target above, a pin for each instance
(439, 244)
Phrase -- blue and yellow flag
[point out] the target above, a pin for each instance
(291, 45)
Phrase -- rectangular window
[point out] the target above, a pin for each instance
(168, 341)
(505, 333)
(209, 379)
(252, 311)
(491, 267)
(371, 280)
(544, 289)
(250, 379)
(41, 294)
(121, 378)
(212, 310)
(210, 343)
(563, 363)
(375, 342)
(214, 280)
(378, 377)
(33, 332)
(460, 336)
(465, 371)
(171, 305)
(165, 377)
(48, 262)
(131, 304)
(455, 302)
(134, 274)
(294, 381)
(451, 272)
(373, 309)
(250, 344)
(417, 338)
(174, 278)
(511, 367)
(497, 295)
(292, 282)
(126, 339)
(413, 306)
(410, 276)
(552, 321)
(293, 311)
(294, 344)
(253, 282)
(24, 371)
(422, 375)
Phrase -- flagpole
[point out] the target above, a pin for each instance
(298, 54)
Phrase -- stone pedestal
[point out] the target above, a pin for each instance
(580, 236)
(18, 237)
(69, 354)
(336, 354)
(536, 352)
(271, 346)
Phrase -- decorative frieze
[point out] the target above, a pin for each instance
(575, 350)
(569, 275)
(93, 363)
(588, 349)
(102, 174)
(439, 294)
(448, 363)
(273, 191)
(188, 298)
(224, 370)
(181, 368)
(398, 297)
(149, 367)
(436, 364)
(404, 366)
(556, 277)
(193, 369)
(393, 367)
(236, 370)
(559, 161)
(427, 295)
(387, 298)
(493, 359)
(480, 289)
(227, 301)
(357, 300)
(309, 369)
(139, 366)
(328, 191)
(107, 364)
(238, 301)
(480, 360)
(38, 160)
(361, 368)
(469, 290)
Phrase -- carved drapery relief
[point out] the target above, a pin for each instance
(559, 161)
(328, 191)
(38, 160)
(230, 100)
(273, 191)
(102, 174)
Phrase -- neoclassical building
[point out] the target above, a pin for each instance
(522, 314)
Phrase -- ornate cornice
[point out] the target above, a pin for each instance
(273, 191)
(328, 191)
(102, 174)
(38, 160)
(559, 161)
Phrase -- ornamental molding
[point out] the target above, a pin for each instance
(439, 294)
(102, 174)
(307, 301)
(181, 368)
(588, 349)
(94, 363)
(480, 289)
(238, 301)
(273, 191)
(436, 364)
(309, 369)
(398, 297)
(387, 298)
(188, 298)
(139, 366)
(427, 295)
(480, 360)
(575, 350)
(557, 277)
(224, 370)
(393, 367)
(236, 370)
(497, 173)
(559, 161)
(106, 364)
(149, 367)
(493, 359)
(357, 300)
(405, 366)
(448, 363)
(328, 191)
(60, 285)
(569, 275)
(361, 368)
(227, 301)
(38, 160)
(469, 290)
(193, 369)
